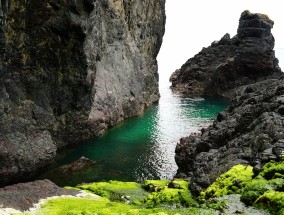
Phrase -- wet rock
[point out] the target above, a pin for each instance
(69, 70)
(229, 63)
(72, 174)
(78, 165)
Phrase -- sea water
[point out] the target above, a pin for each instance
(143, 147)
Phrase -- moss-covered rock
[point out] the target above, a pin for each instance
(230, 182)
(253, 190)
(127, 198)
(272, 170)
(273, 201)
(266, 189)
(117, 190)
(169, 192)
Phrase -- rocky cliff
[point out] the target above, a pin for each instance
(69, 70)
(251, 130)
(231, 62)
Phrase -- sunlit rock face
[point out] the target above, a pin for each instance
(230, 62)
(68, 71)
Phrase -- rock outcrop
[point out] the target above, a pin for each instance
(251, 130)
(229, 63)
(23, 196)
(68, 71)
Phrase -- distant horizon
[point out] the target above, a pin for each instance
(192, 25)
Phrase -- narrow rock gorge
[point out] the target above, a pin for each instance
(69, 70)
(251, 130)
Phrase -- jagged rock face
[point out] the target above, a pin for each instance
(251, 131)
(231, 62)
(68, 71)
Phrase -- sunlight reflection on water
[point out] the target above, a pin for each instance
(143, 147)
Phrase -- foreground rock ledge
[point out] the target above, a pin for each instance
(23, 196)
(69, 70)
(229, 63)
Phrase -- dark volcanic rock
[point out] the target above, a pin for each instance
(231, 62)
(251, 131)
(22, 196)
(68, 71)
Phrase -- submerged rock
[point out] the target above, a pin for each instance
(73, 173)
(229, 63)
(68, 71)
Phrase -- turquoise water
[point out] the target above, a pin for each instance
(143, 147)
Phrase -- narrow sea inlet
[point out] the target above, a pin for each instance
(143, 147)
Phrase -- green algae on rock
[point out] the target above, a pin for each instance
(169, 192)
(266, 190)
(273, 201)
(230, 182)
(116, 190)
(165, 198)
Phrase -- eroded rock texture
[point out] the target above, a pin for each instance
(231, 62)
(68, 71)
(251, 131)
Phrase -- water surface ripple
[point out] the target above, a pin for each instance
(143, 147)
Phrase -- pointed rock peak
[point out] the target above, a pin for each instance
(254, 25)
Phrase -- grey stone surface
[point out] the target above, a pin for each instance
(69, 70)
(23, 196)
(250, 132)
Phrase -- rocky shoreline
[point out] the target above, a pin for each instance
(251, 130)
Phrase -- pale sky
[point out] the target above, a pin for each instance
(192, 25)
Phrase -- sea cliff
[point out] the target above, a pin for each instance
(69, 70)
